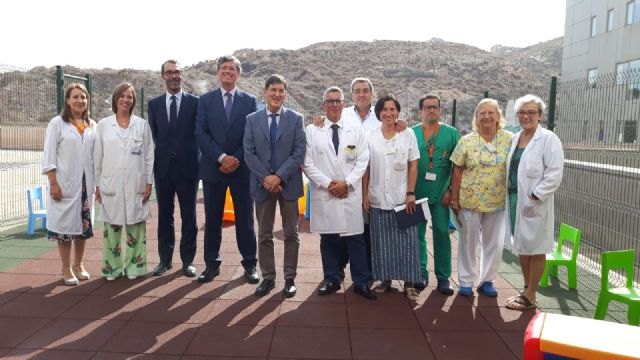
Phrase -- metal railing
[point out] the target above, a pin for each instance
(596, 119)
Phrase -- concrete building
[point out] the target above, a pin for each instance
(600, 37)
(601, 73)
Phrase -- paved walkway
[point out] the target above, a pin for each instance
(173, 317)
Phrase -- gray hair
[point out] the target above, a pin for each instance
(332, 89)
(528, 99)
(226, 58)
(359, 80)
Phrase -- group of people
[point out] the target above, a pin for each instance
(362, 162)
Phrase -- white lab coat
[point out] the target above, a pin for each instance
(63, 147)
(330, 215)
(123, 168)
(540, 173)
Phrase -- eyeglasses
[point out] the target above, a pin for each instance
(173, 72)
(430, 107)
(486, 113)
(527, 113)
(333, 102)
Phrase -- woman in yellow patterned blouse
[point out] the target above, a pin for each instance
(478, 188)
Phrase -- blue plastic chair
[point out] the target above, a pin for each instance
(36, 195)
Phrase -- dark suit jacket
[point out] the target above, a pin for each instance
(216, 136)
(291, 146)
(174, 141)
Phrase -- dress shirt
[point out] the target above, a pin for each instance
(279, 113)
(224, 102)
(370, 121)
(167, 101)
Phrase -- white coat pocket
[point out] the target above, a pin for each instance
(141, 186)
(107, 185)
(531, 208)
(534, 169)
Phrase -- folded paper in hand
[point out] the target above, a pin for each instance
(421, 214)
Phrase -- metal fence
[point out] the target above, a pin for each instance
(596, 119)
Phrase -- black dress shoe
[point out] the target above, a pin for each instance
(252, 275)
(208, 274)
(265, 287)
(365, 292)
(328, 287)
(189, 271)
(289, 288)
(161, 269)
(419, 286)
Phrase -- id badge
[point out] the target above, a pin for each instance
(136, 150)
(430, 176)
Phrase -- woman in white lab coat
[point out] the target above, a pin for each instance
(68, 164)
(124, 177)
(534, 173)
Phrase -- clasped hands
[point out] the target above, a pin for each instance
(271, 183)
(229, 164)
(339, 189)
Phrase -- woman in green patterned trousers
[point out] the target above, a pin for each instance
(123, 158)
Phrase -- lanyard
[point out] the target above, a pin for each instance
(431, 145)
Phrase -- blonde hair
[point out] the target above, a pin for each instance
(494, 103)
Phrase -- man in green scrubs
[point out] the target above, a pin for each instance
(436, 142)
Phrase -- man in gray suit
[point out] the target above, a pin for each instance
(274, 150)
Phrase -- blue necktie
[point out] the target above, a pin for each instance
(173, 110)
(227, 106)
(334, 137)
(273, 133)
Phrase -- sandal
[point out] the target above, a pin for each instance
(520, 303)
(383, 287)
(411, 293)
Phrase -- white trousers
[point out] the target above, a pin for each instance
(484, 231)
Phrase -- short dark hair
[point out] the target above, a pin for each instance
(116, 94)
(380, 104)
(170, 61)
(275, 79)
(428, 96)
(226, 58)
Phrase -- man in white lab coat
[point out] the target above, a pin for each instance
(336, 159)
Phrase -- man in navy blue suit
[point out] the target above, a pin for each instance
(274, 148)
(172, 118)
(220, 123)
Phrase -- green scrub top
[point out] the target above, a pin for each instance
(445, 142)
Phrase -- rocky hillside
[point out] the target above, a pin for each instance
(405, 68)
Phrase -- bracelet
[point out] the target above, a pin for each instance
(411, 193)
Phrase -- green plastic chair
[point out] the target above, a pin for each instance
(627, 294)
(557, 258)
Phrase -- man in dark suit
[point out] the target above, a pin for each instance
(172, 118)
(220, 123)
(274, 148)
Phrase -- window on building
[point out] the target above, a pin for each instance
(629, 73)
(592, 76)
(633, 12)
(593, 26)
(610, 20)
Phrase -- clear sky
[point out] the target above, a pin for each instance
(141, 34)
